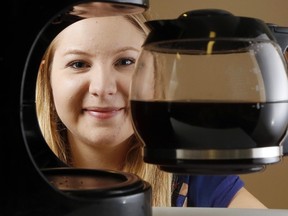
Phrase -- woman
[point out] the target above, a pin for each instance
(83, 110)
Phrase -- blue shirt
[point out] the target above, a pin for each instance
(204, 190)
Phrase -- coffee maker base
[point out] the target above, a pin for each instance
(213, 161)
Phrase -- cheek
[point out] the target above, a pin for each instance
(125, 85)
(65, 94)
(60, 98)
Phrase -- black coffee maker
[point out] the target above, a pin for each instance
(35, 181)
(28, 165)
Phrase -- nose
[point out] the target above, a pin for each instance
(102, 81)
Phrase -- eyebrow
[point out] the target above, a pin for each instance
(127, 48)
(80, 52)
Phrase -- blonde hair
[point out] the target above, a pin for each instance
(54, 132)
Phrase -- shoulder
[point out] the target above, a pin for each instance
(212, 191)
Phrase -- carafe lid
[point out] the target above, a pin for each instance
(205, 25)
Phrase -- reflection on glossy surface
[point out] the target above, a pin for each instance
(104, 9)
(97, 183)
(94, 9)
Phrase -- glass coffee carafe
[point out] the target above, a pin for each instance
(210, 94)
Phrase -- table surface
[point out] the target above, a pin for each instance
(189, 211)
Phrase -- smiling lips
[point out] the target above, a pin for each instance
(104, 113)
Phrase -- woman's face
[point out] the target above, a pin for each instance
(91, 73)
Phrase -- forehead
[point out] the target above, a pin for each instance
(100, 25)
(112, 30)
